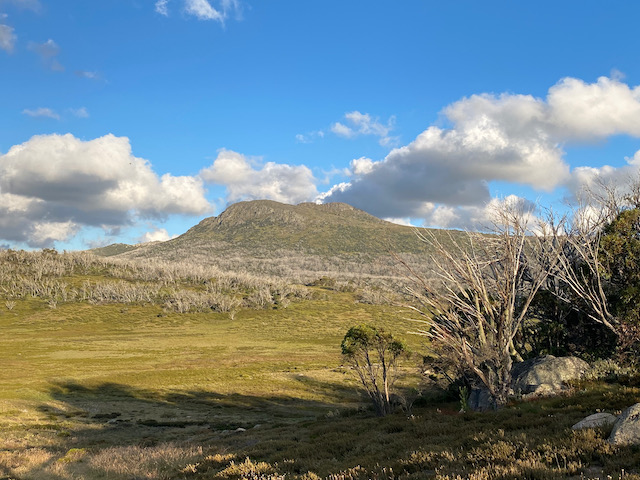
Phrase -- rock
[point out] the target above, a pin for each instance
(626, 430)
(240, 429)
(552, 372)
(597, 420)
(480, 400)
(546, 390)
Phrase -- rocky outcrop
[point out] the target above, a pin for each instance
(546, 375)
(597, 420)
(626, 430)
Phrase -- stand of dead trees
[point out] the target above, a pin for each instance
(475, 308)
(480, 293)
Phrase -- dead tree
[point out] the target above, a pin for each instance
(484, 286)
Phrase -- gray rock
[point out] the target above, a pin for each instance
(553, 372)
(545, 390)
(597, 420)
(480, 400)
(626, 430)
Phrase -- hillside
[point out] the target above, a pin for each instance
(269, 237)
(262, 227)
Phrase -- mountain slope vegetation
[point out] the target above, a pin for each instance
(300, 242)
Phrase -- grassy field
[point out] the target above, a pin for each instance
(133, 392)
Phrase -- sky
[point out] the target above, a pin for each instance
(132, 120)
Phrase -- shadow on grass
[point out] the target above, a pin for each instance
(93, 431)
(114, 412)
(136, 433)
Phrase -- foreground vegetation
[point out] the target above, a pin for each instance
(120, 388)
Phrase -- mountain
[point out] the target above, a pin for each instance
(266, 236)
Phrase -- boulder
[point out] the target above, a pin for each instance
(626, 430)
(597, 420)
(546, 375)
(480, 400)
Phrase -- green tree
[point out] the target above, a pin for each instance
(373, 354)
(619, 254)
(598, 249)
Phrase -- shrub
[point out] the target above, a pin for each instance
(374, 355)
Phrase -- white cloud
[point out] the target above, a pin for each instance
(44, 233)
(59, 183)
(247, 180)
(364, 124)
(362, 166)
(81, 112)
(400, 221)
(159, 235)
(41, 112)
(342, 130)
(594, 111)
(161, 7)
(203, 10)
(217, 10)
(48, 51)
(482, 217)
(510, 138)
(7, 38)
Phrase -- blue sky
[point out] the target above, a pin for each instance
(131, 120)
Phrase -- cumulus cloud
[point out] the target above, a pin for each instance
(44, 233)
(593, 185)
(511, 138)
(482, 217)
(361, 166)
(48, 51)
(582, 111)
(41, 112)
(247, 180)
(363, 124)
(158, 235)
(53, 185)
(7, 38)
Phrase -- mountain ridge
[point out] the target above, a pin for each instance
(259, 225)
(302, 242)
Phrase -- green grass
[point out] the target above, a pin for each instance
(130, 391)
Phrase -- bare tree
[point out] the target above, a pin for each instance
(579, 248)
(475, 308)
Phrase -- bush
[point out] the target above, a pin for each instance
(374, 355)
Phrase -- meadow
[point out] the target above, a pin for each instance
(98, 387)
